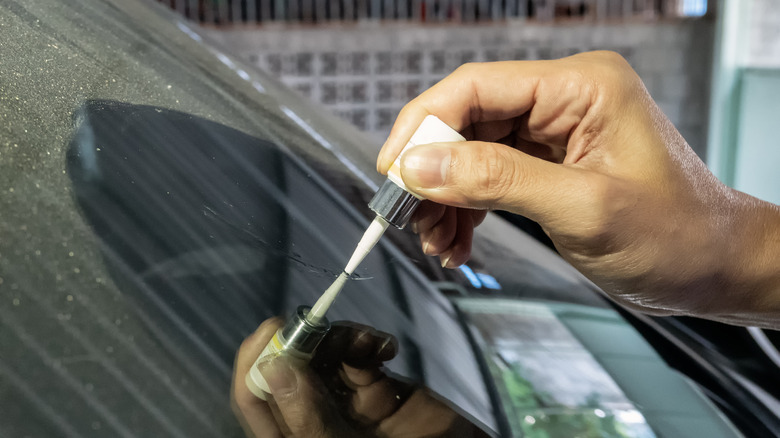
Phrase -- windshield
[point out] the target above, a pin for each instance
(158, 202)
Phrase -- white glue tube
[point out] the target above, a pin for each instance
(370, 238)
(394, 202)
(297, 339)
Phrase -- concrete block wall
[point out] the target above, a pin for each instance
(366, 72)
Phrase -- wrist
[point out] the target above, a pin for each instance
(752, 262)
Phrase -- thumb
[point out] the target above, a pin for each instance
(485, 175)
(298, 404)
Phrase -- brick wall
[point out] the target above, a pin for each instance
(365, 72)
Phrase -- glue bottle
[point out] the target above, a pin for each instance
(394, 202)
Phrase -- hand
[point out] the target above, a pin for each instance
(342, 394)
(578, 145)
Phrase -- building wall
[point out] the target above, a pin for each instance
(366, 72)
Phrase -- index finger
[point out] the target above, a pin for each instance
(472, 93)
(356, 344)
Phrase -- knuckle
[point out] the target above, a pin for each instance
(612, 57)
(466, 67)
(615, 70)
(607, 68)
(496, 176)
(608, 60)
(467, 70)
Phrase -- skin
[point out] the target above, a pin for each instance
(344, 393)
(579, 146)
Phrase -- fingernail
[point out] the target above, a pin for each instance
(445, 260)
(363, 336)
(279, 376)
(425, 248)
(426, 166)
(388, 342)
(413, 225)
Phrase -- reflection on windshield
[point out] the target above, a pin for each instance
(202, 223)
(205, 231)
(549, 384)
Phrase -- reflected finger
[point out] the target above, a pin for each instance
(357, 377)
(356, 344)
(378, 400)
(424, 415)
(254, 414)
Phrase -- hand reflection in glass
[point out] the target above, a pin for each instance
(342, 393)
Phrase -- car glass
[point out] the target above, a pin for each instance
(156, 208)
(158, 200)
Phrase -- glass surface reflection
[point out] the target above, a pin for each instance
(549, 384)
(206, 231)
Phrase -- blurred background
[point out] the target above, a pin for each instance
(713, 66)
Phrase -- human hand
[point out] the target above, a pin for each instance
(578, 145)
(343, 393)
